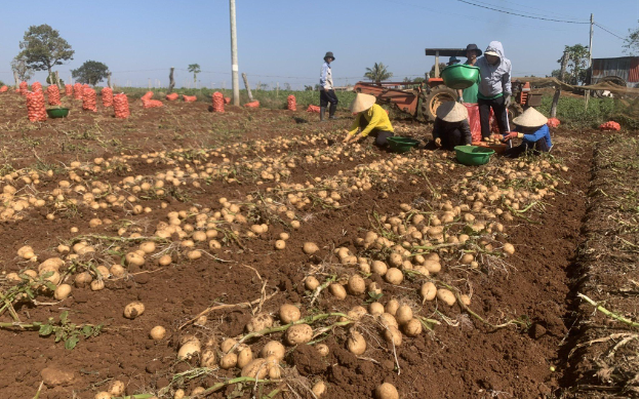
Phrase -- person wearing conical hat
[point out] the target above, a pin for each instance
(532, 128)
(327, 94)
(371, 120)
(451, 127)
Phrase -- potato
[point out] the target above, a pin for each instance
(244, 357)
(395, 259)
(193, 255)
(412, 328)
(97, 285)
(284, 236)
(428, 292)
(394, 276)
(322, 349)
(446, 296)
(387, 391)
(374, 288)
(191, 348)
(62, 292)
(229, 361)
(208, 359)
(102, 395)
(393, 335)
(509, 249)
(467, 259)
(24, 251)
(116, 388)
(227, 345)
(338, 291)
(117, 271)
(356, 343)
(51, 264)
(388, 320)
(133, 310)
(364, 267)
(299, 334)
(82, 279)
(134, 259)
(356, 285)
(260, 322)
(465, 300)
(311, 283)
(280, 244)
(310, 248)
(392, 306)
(319, 388)
(379, 267)
(196, 391)
(273, 348)
(357, 312)
(157, 333)
(165, 260)
(148, 247)
(432, 266)
(289, 313)
(376, 308)
(179, 394)
(404, 314)
(257, 368)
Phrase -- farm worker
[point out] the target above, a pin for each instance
(494, 88)
(327, 95)
(532, 128)
(371, 118)
(451, 127)
(453, 60)
(470, 94)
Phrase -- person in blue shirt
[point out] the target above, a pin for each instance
(532, 128)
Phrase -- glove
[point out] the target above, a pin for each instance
(512, 135)
(460, 100)
(507, 101)
(438, 142)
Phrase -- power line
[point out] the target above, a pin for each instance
(608, 31)
(518, 14)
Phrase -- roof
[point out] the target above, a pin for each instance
(617, 58)
(446, 52)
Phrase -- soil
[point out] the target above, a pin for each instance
(463, 360)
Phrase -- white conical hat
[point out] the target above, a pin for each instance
(452, 111)
(530, 118)
(362, 102)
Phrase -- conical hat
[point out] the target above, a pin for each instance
(452, 111)
(530, 118)
(362, 102)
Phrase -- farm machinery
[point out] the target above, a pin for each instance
(424, 98)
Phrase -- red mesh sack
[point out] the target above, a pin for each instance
(24, 88)
(218, 102)
(53, 94)
(291, 102)
(3, 89)
(68, 90)
(553, 122)
(474, 121)
(121, 106)
(313, 108)
(189, 99)
(253, 104)
(147, 96)
(172, 96)
(227, 100)
(36, 86)
(611, 125)
(146, 103)
(35, 106)
(107, 97)
(77, 91)
(89, 99)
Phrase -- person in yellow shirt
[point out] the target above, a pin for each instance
(371, 120)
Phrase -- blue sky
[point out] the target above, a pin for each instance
(284, 41)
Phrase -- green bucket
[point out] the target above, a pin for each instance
(473, 155)
(57, 112)
(460, 76)
(401, 144)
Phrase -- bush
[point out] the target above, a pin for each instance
(571, 111)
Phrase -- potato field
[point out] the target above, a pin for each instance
(182, 253)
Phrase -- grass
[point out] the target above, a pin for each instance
(571, 111)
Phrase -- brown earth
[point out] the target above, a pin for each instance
(462, 360)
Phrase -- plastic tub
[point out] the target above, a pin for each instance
(473, 155)
(401, 144)
(460, 76)
(57, 112)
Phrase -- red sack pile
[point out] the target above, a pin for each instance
(313, 108)
(189, 99)
(218, 102)
(36, 86)
(107, 96)
(474, 121)
(68, 90)
(227, 100)
(553, 122)
(611, 125)
(35, 106)
(151, 103)
(77, 91)
(172, 96)
(253, 104)
(147, 96)
(3, 89)
(24, 88)
(89, 99)
(53, 94)
(291, 102)
(121, 106)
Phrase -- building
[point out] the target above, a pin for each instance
(619, 70)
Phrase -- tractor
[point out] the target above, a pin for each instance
(425, 99)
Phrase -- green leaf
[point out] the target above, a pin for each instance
(45, 330)
(59, 334)
(29, 293)
(71, 342)
(97, 330)
(50, 285)
(87, 331)
(64, 316)
(46, 275)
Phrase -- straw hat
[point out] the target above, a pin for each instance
(530, 118)
(362, 102)
(452, 111)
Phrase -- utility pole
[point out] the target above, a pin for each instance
(589, 71)
(234, 53)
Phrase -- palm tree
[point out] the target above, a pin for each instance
(378, 73)
(195, 69)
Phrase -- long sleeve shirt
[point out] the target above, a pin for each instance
(326, 80)
(376, 118)
(542, 133)
(494, 80)
(442, 128)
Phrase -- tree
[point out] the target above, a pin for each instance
(378, 73)
(432, 72)
(631, 42)
(576, 65)
(19, 65)
(195, 70)
(43, 48)
(90, 72)
(51, 79)
(308, 87)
